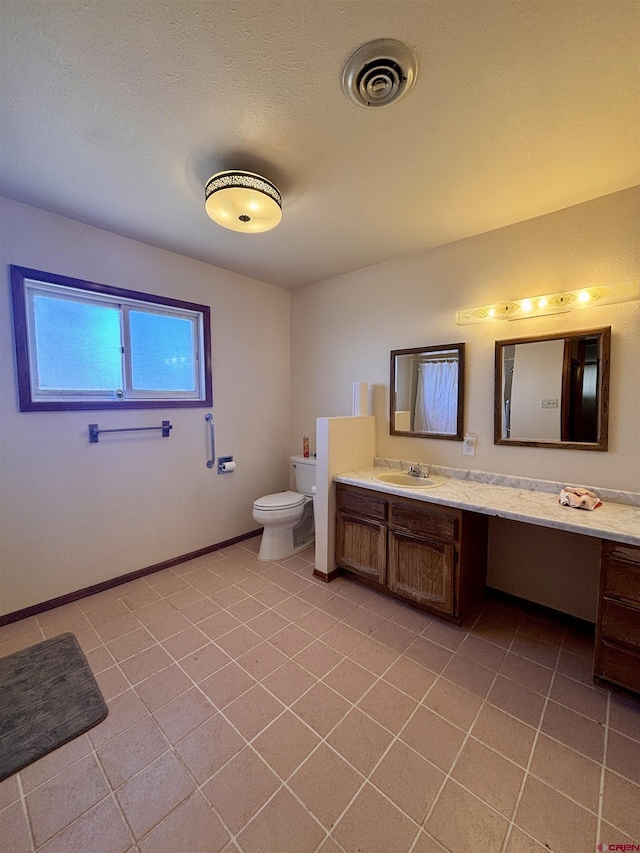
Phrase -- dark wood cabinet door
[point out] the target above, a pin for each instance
(361, 546)
(422, 570)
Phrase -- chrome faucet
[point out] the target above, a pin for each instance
(416, 472)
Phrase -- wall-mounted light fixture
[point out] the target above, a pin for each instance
(243, 201)
(550, 303)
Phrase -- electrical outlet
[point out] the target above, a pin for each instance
(548, 404)
(469, 445)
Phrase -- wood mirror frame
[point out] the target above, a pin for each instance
(571, 386)
(414, 356)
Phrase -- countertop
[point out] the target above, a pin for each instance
(618, 522)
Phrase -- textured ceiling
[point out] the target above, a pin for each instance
(115, 112)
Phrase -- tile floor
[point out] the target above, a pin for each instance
(255, 709)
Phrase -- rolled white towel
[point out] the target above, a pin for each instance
(579, 498)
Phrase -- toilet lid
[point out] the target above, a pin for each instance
(280, 500)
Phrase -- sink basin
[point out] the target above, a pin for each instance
(407, 481)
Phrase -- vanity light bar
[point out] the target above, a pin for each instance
(550, 303)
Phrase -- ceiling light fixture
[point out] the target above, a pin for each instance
(550, 303)
(243, 201)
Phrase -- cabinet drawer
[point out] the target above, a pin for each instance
(618, 665)
(621, 622)
(621, 552)
(359, 504)
(622, 579)
(424, 522)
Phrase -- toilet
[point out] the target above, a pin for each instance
(288, 516)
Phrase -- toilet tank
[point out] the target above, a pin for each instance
(304, 468)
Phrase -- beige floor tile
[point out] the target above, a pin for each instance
(492, 632)
(219, 624)
(580, 733)
(586, 700)
(520, 842)
(554, 820)
(225, 685)
(238, 641)
(444, 634)
(132, 751)
(100, 830)
(374, 656)
(99, 659)
(321, 708)
(154, 793)
(482, 652)
(469, 675)
(289, 682)
(489, 776)
(326, 784)
(204, 662)
(388, 706)
(286, 743)
(505, 734)
(394, 636)
(183, 714)
(124, 711)
(240, 788)
(567, 771)
(620, 803)
(350, 680)
(624, 715)
(292, 607)
(14, 830)
(145, 664)
(163, 687)
(192, 826)
(291, 640)
(623, 756)
(185, 642)
(409, 677)
(268, 623)
(526, 672)
(282, 826)
(9, 790)
(200, 610)
(434, 738)
(360, 740)
(208, 748)
(64, 798)
(253, 711)
(407, 779)
(316, 622)
(318, 658)
(247, 609)
(453, 703)
(428, 654)
(363, 620)
(342, 638)
(261, 660)
(516, 700)
(338, 607)
(463, 824)
(374, 824)
(610, 834)
(131, 644)
(53, 763)
(427, 844)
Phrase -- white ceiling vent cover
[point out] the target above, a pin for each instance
(379, 73)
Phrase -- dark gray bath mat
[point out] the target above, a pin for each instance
(48, 696)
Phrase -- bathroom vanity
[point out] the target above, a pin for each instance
(433, 556)
(429, 547)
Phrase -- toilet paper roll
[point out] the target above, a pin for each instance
(228, 466)
(360, 406)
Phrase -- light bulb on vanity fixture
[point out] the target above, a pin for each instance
(550, 303)
(243, 201)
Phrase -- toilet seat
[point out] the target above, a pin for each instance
(279, 501)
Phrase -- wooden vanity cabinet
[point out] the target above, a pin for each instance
(433, 556)
(617, 654)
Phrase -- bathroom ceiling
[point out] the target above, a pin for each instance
(116, 112)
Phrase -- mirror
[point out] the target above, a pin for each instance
(553, 391)
(427, 391)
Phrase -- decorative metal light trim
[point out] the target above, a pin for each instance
(550, 303)
(231, 180)
(243, 201)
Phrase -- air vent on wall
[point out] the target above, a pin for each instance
(379, 73)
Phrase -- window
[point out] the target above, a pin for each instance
(82, 345)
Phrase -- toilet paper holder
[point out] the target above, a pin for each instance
(226, 464)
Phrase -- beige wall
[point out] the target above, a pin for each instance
(72, 513)
(344, 328)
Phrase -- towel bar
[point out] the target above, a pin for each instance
(94, 432)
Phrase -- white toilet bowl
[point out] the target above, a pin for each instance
(287, 517)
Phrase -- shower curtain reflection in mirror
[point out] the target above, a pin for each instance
(427, 391)
(436, 407)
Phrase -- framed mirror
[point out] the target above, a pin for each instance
(553, 390)
(427, 391)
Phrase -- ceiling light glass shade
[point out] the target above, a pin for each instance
(551, 303)
(243, 201)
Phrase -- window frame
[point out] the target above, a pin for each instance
(32, 400)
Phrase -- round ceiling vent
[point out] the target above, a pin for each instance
(379, 73)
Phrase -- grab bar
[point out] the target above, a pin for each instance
(94, 432)
(211, 462)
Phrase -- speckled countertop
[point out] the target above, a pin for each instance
(531, 501)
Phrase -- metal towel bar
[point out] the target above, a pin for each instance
(211, 462)
(94, 432)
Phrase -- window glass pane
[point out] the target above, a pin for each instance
(78, 345)
(162, 352)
